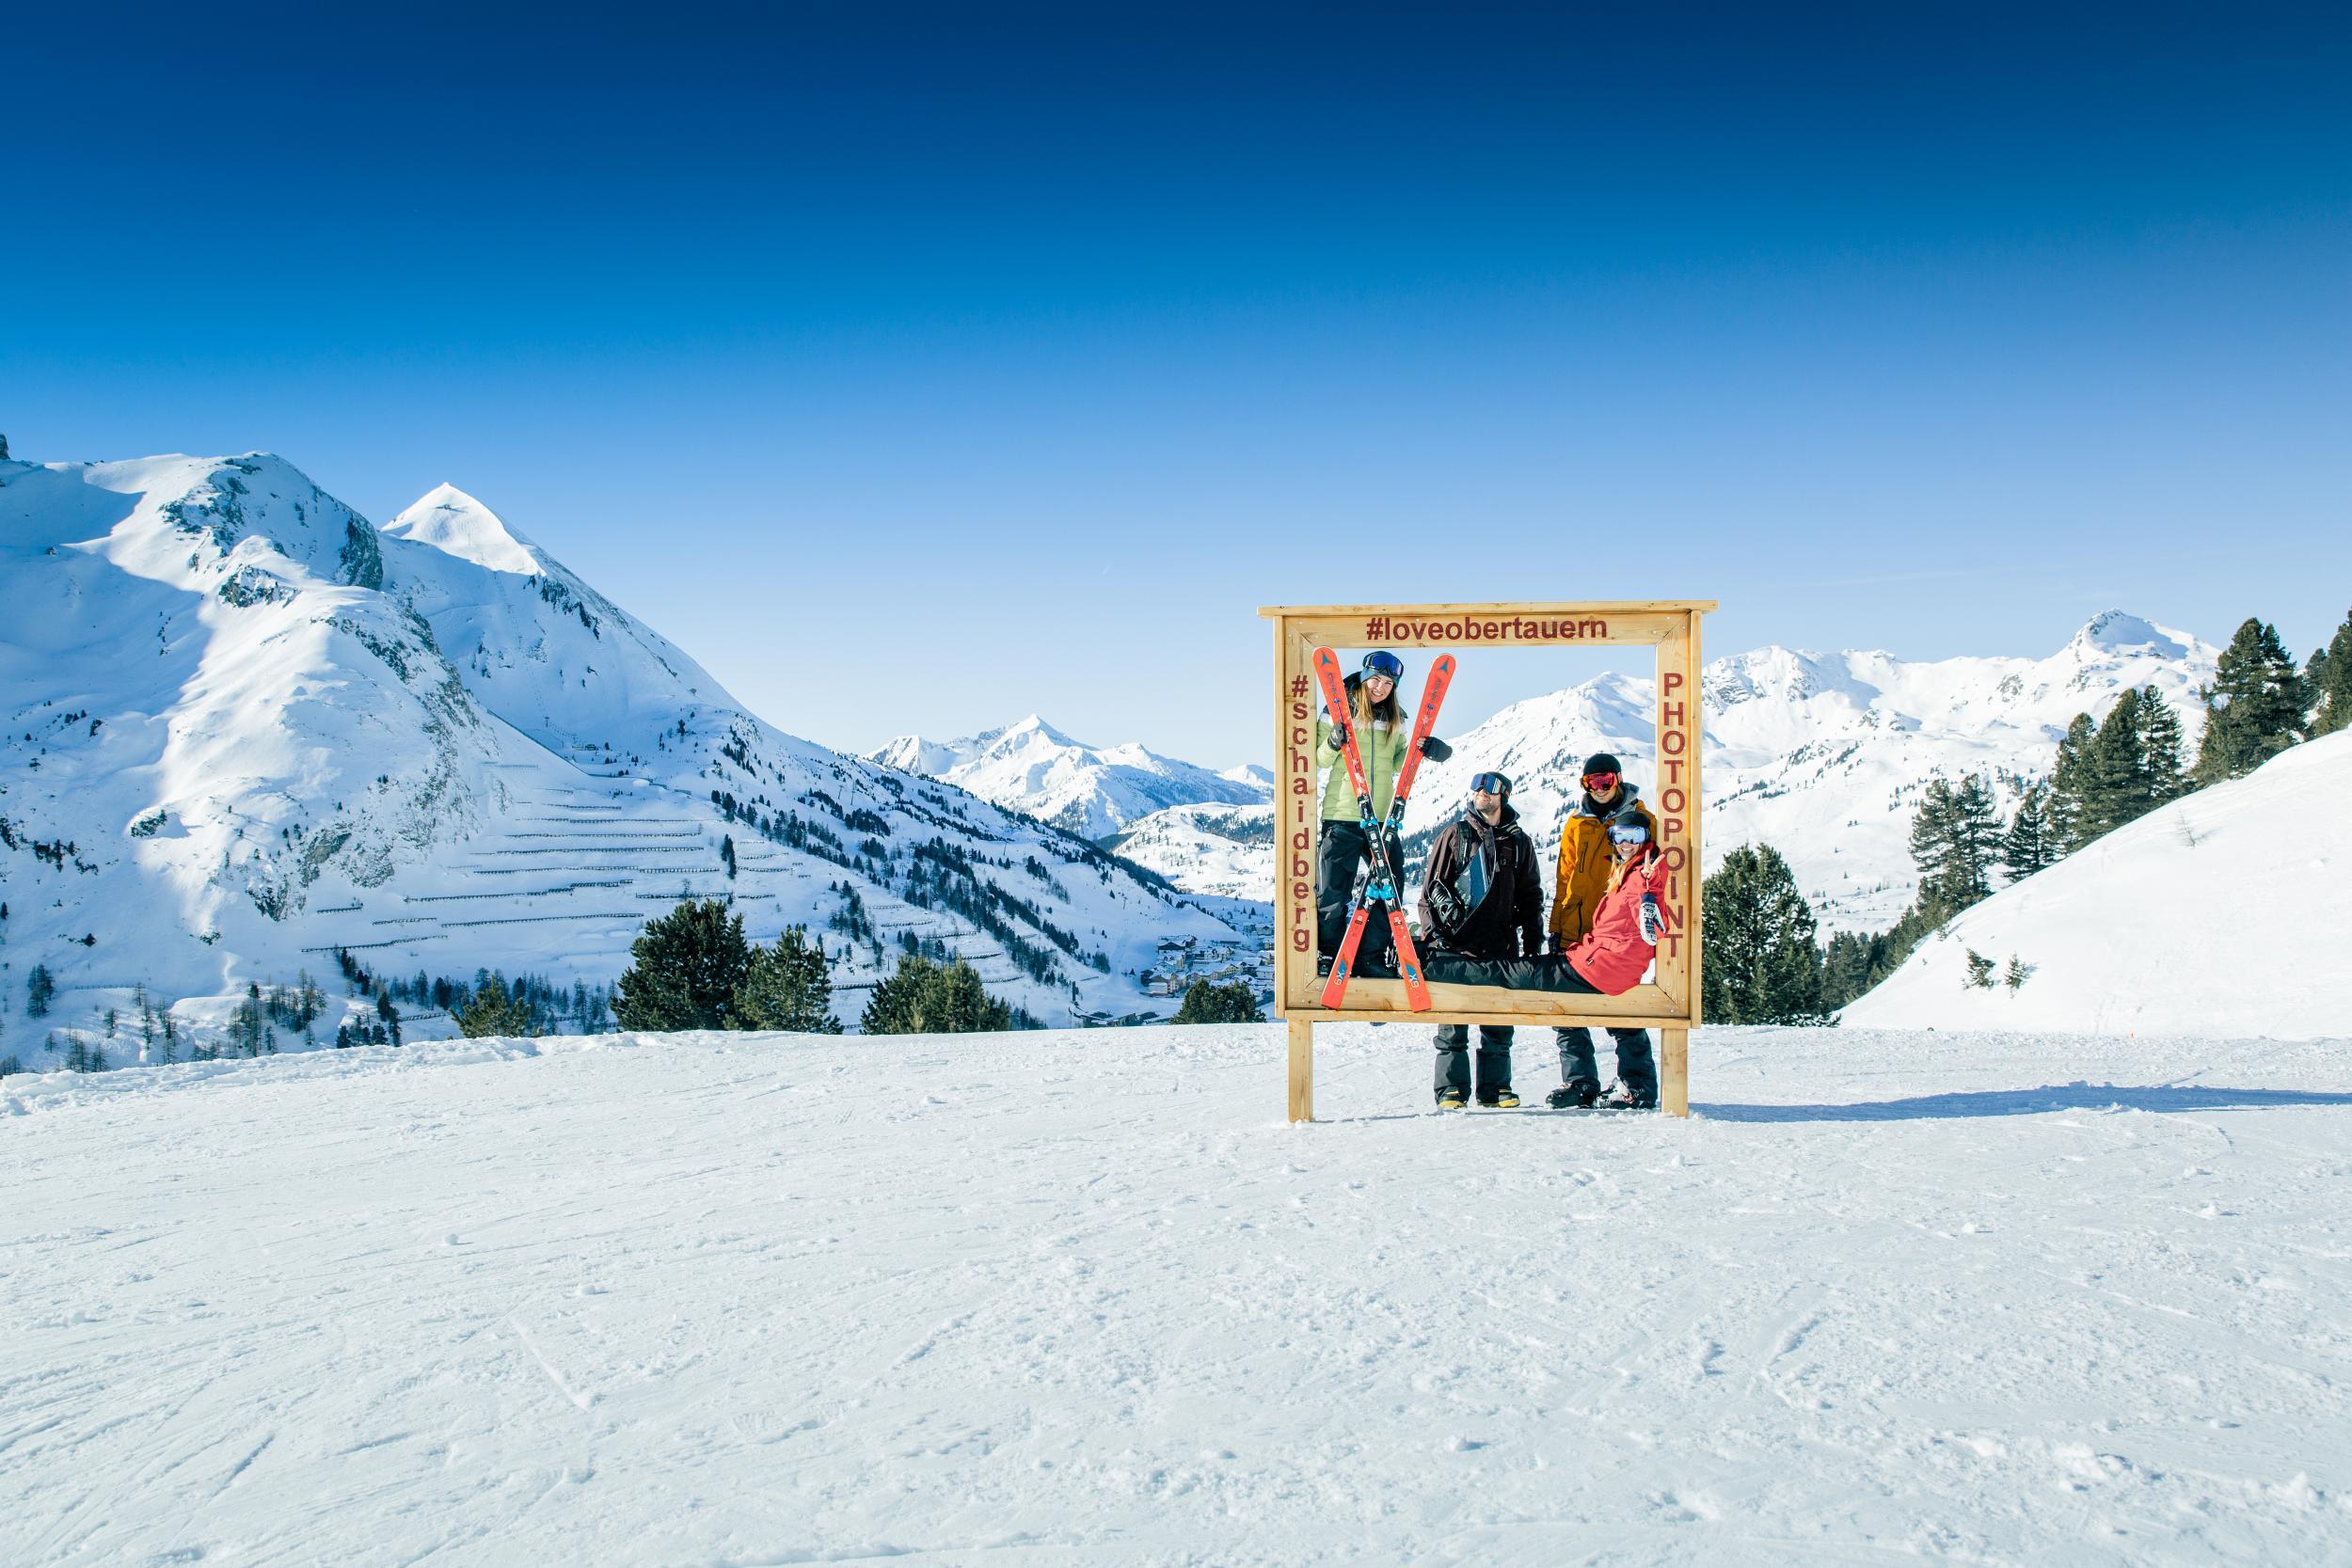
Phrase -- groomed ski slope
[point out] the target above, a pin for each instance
(1083, 1298)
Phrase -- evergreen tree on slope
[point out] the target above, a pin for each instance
(1232, 1003)
(1760, 965)
(1953, 837)
(2031, 843)
(787, 986)
(925, 998)
(2329, 678)
(2070, 785)
(2160, 742)
(688, 966)
(2253, 708)
(493, 1011)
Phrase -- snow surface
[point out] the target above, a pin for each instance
(1083, 1298)
(2228, 911)
(1092, 791)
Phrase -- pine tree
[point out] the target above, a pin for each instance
(2254, 707)
(727, 853)
(1979, 970)
(925, 998)
(1953, 840)
(40, 990)
(389, 1016)
(2070, 786)
(493, 1011)
(2118, 785)
(2160, 742)
(1848, 969)
(2029, 846)
(1230, 1002)
(688, 966)
(787, 986)
(2019, 971)
(2329, 680)
(1760, 964)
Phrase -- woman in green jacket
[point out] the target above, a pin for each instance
(1378, 720)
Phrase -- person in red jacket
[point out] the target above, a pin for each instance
(1612, 958)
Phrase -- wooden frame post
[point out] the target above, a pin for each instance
(1669, 1003)
(1302, 1086)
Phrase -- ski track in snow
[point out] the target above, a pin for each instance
(1083, 1298)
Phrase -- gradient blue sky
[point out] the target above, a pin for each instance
(916, 368)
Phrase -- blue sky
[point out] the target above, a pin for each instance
(920, 367)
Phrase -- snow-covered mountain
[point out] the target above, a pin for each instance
(1822, 755)
(2224, 913)
(1206, 848)
(1091, 791)
(243, 729)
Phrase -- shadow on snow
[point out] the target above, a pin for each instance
(2026, 1103)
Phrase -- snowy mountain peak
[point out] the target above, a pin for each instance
(455, 523)
(1034, 728)
(2112, 632)
(1093, 791)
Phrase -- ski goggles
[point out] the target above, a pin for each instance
(1633, 831)
(1383, 663)
(1597, 782)
(1491, 783)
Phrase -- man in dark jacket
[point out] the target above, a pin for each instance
(1482, 896)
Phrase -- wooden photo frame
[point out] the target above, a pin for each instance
(1668, 1003)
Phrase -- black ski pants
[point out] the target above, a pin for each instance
(1494, 1059)
(1636, 1070)
(1338, 856)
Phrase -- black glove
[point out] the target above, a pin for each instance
(1555, 945)
(1339, 732)
(1433, 749)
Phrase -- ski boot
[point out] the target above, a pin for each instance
(1620, 1098)
(1573, 1097)
(1503, 1101)
(1451, 1099)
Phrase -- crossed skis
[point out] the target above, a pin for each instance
(1383, 885)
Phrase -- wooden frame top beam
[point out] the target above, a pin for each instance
(1583, 607)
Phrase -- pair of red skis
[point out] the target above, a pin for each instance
(1383, 886)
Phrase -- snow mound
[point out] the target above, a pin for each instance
(2223, 913)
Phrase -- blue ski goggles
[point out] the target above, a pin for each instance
(1383, 664)
(1630, 830)
(1491, 783)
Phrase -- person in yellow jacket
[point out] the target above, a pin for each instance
(1581, 880)
(1378, 720)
